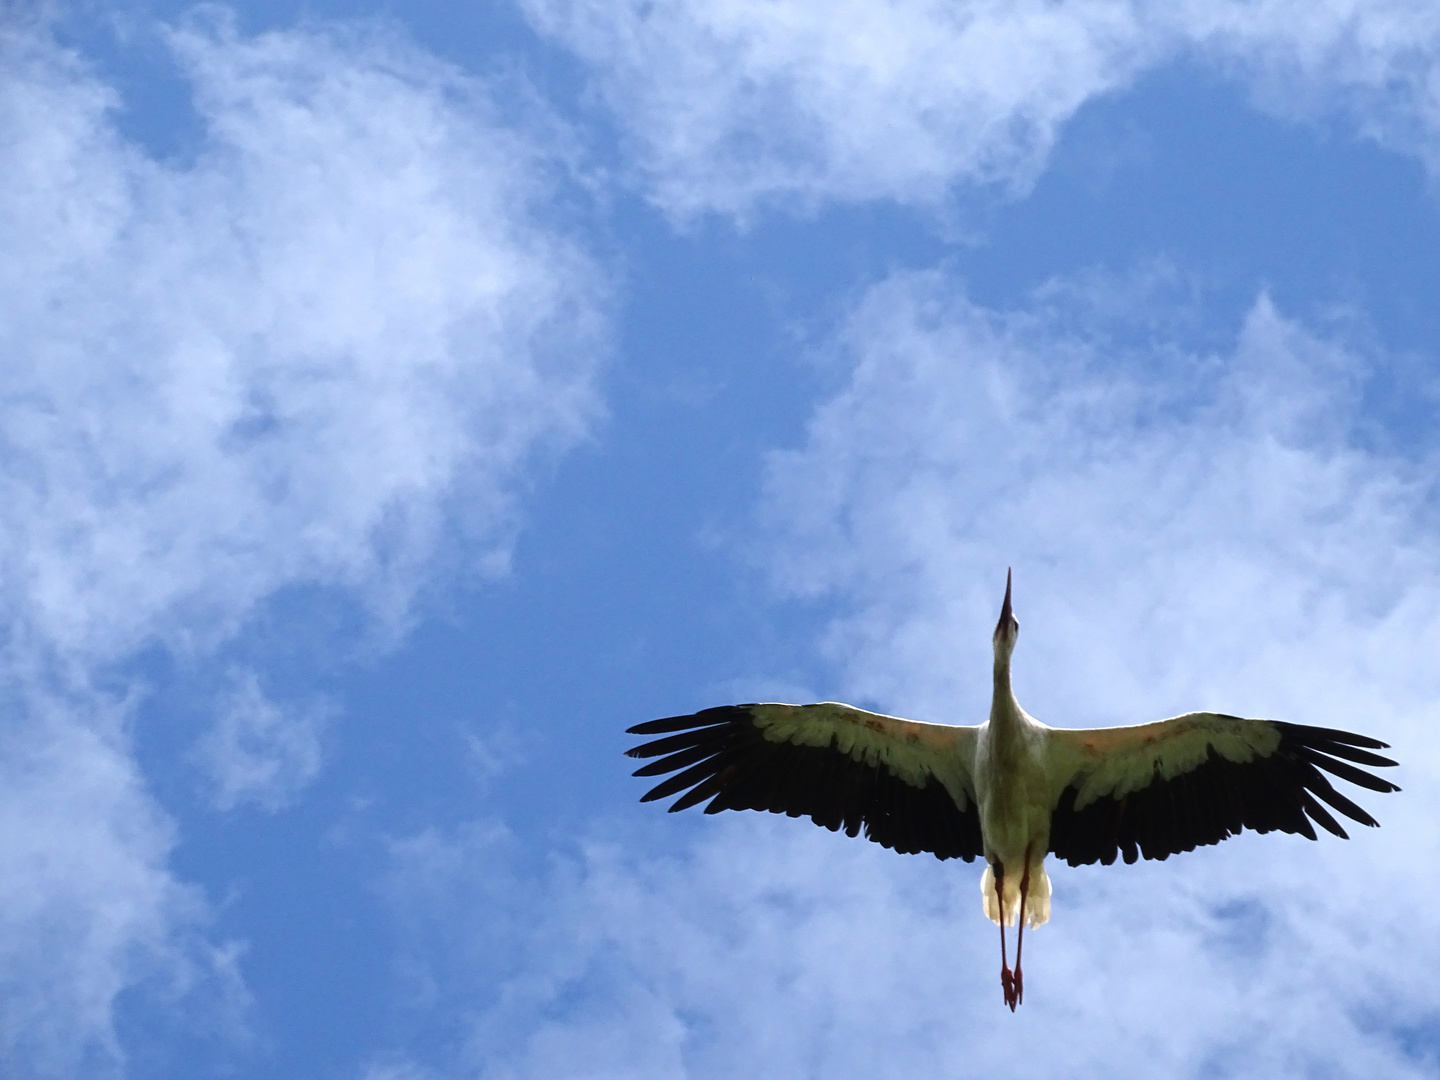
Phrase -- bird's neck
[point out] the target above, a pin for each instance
(1002, 671)
(1004, 709)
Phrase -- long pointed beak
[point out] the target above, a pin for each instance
(1005, 607)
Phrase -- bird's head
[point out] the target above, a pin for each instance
(1008, 628)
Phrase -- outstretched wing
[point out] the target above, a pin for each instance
(907, 784)
(1158, 789)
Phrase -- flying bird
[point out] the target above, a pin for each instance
(1013, 790)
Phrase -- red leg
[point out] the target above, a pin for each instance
(1007, 979)
(1020, 930)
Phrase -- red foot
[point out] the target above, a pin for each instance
(1008, 986)
(1019, 988)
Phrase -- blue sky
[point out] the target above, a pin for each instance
(401, 401)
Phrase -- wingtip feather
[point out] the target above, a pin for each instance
(719, 714)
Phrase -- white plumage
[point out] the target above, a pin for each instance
(1013, 789)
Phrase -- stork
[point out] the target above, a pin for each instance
(1012, 789)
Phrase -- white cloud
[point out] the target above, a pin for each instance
(1187, 530)
(397, 1071)
(728, 106)
(738, 103)
(266, 368)
(316, 355)
(969, 440)
(773, 949)
(87, 904)
(1378, 64)
(261, 752)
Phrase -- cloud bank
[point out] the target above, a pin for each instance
(316, 355)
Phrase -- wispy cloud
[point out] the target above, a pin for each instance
(729, 107)
(330, 346)
(1372, 64)
(1188, 529)
(737, 104)
(260, 751)
(1102, 464)
(86, 904)
(264, 368)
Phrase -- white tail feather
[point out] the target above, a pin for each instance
(1037, 901)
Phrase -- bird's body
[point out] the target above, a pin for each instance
(1013, 789)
